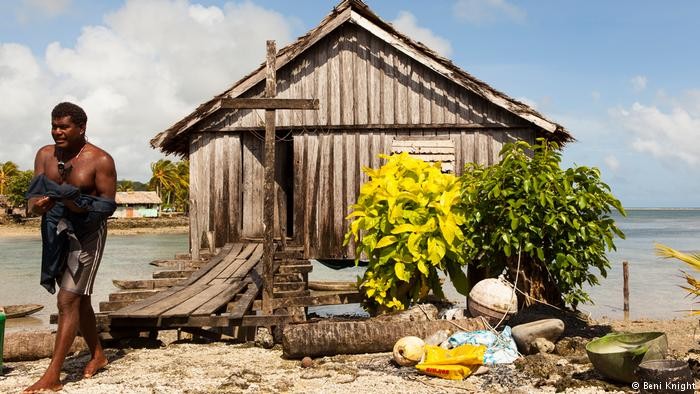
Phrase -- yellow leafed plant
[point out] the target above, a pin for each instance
(693, 260)
(406, 222)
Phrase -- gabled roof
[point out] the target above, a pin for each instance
(357, 12)
(137, 198)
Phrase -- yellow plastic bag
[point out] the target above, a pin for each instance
(454, 364)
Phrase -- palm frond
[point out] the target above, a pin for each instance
(693, 287)
(669, 253)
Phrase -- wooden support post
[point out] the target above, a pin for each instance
(626, 289)
(211, 241)
(195, 240)
(282, 220)
(269, 186)
(270, 105)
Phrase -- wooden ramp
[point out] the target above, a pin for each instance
(216, 295)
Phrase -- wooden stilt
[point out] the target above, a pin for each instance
(626, 289)
(269, 186)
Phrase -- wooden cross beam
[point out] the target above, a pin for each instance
(270, 104)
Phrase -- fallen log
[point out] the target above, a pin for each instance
(34, 345)
(368, 336)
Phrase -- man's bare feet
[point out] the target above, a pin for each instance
(94, 365)
(44, 385)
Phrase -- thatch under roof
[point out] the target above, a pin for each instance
(174, 139)
(137, 198)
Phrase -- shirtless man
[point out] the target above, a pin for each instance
(74, 161)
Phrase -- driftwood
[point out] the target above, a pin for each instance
(368, 336)
(34, 345)
(420, 312)
(332, 286)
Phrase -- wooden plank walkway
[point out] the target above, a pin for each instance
(194, 302)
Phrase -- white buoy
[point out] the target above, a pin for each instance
(492, 298)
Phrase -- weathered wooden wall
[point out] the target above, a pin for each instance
(226, 185)
(226, 179)
(328, 176)
(361, 80)
(369, 92)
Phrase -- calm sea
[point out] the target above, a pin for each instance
(654, 282)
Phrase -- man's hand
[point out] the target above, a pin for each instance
(70, 204)
(41, 205)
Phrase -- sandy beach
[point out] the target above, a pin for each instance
(186, 366)
(163, 225)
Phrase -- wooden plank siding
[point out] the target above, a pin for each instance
(326, 200)
(359, 80)
(369, 94)
(327, 176)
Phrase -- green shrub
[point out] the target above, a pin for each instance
(17, 187)
(558, 219)
(407, 223)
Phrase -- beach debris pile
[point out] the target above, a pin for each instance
(458, 355)
(534, 347)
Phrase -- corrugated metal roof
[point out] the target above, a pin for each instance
(138, 198)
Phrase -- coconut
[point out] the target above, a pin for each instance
(408, 351)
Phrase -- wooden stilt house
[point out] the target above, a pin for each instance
(378, 92)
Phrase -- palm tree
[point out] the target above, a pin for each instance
(182, 191)
(8, 169)
(692, 260)
(164, 178)
(125, 186)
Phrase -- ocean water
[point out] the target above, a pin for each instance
(125, 257)
(654, 283)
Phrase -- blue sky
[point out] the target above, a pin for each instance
(622, 76)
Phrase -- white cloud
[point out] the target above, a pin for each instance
(29, 11)
(406, 23)
(669, 133)
(480, 12)
(639, 83)
(151, 63)
(595, 95)
(22, 85)
(48, 7)
(612, 162)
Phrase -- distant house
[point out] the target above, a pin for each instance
(137, 205)
(4, 205)
(7, 210)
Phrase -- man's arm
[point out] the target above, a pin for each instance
(105, 182)
(106, 177)
(40, 205)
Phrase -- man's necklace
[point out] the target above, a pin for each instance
(62, 169)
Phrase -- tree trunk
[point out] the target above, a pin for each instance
(33, 345)
(355, 337)
(535, 281)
